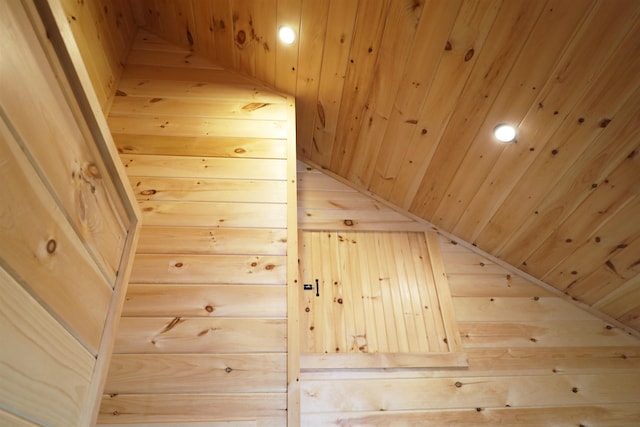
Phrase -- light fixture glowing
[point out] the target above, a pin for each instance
(505, 133)
(286, 35)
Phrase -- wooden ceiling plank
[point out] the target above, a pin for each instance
(612, 237)
(389, 73)
(545, 173)
(150, 13)
(609, 196)
(222, 30)
(497, 72)
(622, 300)
(632, 318)
(312, 41)
(244, 37)
(561, 94)
(611, 278)
(573, 184)
(365, 48)
(287, 56)
(490, 167)
(341, 20)
(426, 52)
(170, 24)
(202, 33)
(467, 36)
(265, 26)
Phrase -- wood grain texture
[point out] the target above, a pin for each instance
(176, 408)
(203, 337)
(195, 373)
(400, 98)
(375, 293)
(40, 358)
(41, 251)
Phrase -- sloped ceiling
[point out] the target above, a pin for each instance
(400, 98)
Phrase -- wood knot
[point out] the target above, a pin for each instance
(51, 246)
(241, 37)
(148, 192)
(575, 389)
(269, 267)
(448, 46)
(228, 370)
(254, 264)
(458, 384)
(209, 309)
(348, 222)
(239, 151)
(307, 309)
(339, 300)
(93, 171)
(178, 264)
(469, 55)
(604, 123)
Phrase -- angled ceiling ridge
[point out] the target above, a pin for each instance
(426, 225)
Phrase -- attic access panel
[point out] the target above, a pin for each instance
(377, 300)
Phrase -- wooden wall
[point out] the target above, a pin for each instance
(401, 97)
(204, 330)
(69, 224)
(103, 30)
(533, 358)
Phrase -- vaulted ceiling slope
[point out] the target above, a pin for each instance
(400, 98)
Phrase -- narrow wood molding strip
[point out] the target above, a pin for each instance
(318, 361)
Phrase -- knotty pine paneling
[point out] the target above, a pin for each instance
(103, 31)
(203, 333)
(532, 357)
(400, 97)
(69, 224)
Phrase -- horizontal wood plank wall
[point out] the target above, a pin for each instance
(104, 32)
(533, 358)
(69, 224)
(203, 337)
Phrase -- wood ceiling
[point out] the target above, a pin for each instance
(400, 98)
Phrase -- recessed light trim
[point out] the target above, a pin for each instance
(286, 35)
(504, 133)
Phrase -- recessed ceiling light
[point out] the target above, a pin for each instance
(286, 35)
(504, 132)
